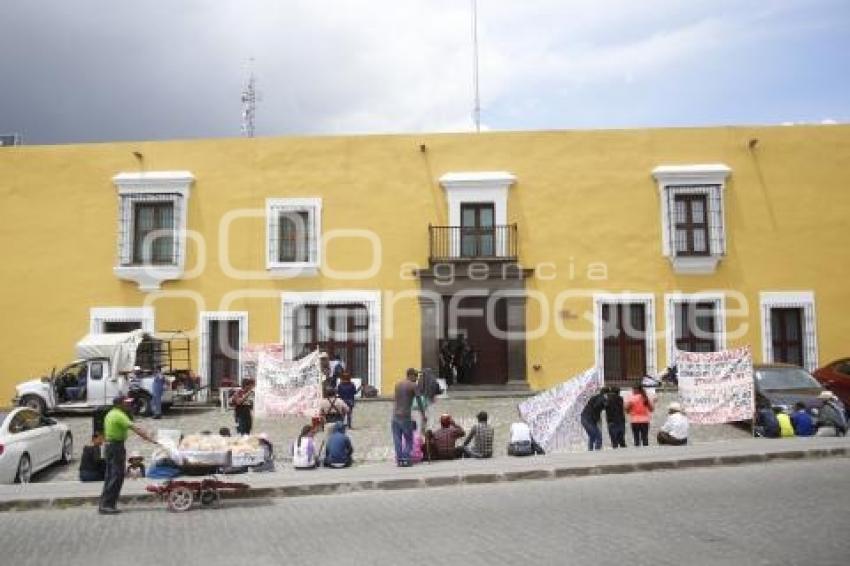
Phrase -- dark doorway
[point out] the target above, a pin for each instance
(116, 326)
(477, 237)
(224, 353)
(624, 327)
(491, 351)
(786, 328)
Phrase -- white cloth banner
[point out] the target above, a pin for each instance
(716, 387)
(288, 387)
(554, 416)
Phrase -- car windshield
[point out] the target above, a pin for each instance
(785, 378)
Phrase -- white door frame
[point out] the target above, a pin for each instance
(203, 331)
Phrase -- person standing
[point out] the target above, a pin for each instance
(591, 416)
(116, 426)
(615, 415)
(347, 391)
(402, 422)
(640, 407)
(243, 407)
(157, 390)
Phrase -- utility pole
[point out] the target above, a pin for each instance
(476, 110)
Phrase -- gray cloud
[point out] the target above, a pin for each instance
(97, 70)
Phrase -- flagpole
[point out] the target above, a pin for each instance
(476, 111)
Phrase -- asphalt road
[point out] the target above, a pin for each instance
(775, 513)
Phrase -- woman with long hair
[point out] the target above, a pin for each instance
(304, 455)
(639, 407)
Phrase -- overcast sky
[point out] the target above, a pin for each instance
(98, 70)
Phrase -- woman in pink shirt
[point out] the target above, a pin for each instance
(639, 408)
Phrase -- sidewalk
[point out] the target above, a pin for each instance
(384, 476)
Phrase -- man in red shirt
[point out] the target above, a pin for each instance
(444, 441)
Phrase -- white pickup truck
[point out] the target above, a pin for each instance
(103, 370)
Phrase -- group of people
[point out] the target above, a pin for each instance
(828, 420)
(639, 406)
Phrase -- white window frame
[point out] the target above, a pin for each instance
(204, 319)
(805, 300)
(166, 186)
(673, 299)
(478, 187)
(646, 299)
(371, 299)
(708, 180)
(98, 316)
(313, 207)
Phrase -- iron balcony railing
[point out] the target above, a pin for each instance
(473, 242)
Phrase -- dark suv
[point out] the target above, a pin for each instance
(783, 386)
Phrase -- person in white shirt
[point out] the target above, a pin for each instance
(674, 432)
(521, 442)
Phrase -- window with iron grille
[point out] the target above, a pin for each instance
(153, 233)
(691, 225)
(293, 233)
(696, 326)
(340, 330)
(624, 341)
(786, 325)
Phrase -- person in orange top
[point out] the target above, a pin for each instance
(639, 407)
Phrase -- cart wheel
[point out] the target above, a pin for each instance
(210, 497)
(180, 499)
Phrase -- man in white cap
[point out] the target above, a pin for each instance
(831, 420)
(674, 432)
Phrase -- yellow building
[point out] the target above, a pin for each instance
(579, 248)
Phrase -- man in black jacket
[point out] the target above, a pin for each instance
(591, 416)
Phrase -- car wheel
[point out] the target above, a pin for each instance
(67, 448)
(24, 474)
(35, 403)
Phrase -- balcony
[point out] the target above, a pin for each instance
(482, 243)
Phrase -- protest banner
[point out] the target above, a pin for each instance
(288, 387)
(250, 357)
(716, 387)
(554, 416)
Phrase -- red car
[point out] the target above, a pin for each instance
(836, 378)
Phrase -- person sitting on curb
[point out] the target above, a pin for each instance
(332, 409)
(766, 424)
(521, 442)
(831, 419)
(338, 449)
(674, 431)
(92, 464)
(444, 441)
(802, 421)
(786, 429)
(304, 455)
(481, 436)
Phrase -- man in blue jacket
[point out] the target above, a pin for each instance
(338, 448)
(804, 424)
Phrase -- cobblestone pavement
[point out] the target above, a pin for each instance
(700, 516)
(371, 434)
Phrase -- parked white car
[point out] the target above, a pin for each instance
(30, 442)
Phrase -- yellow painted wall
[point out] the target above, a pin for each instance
(581, 197)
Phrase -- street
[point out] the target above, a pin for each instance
(775, 513)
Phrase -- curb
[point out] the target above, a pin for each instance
(453, 479)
